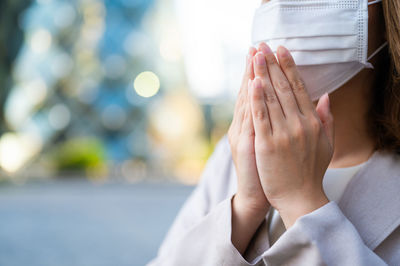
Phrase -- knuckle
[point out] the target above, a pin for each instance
(283, 85)
(288, 63)
(261, 69)
(270, 97)
(298, 130)
(260, 114)
(257, 95)
(299, 85)
(315, 125)
(270, 59)
(264, 147)
(283, 139)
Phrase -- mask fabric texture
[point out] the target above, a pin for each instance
(328, 39)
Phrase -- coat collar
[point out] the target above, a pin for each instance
(371, 200)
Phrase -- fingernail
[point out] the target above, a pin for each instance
(329, 100)
(251, 48)
(260, 59)
(265, 48)
(283, 52)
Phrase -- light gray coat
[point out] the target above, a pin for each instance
(362, 229)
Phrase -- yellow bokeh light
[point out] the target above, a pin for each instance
(147, 84)
(177, 117)
(15, 151)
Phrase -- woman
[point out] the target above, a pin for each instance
(288, 186)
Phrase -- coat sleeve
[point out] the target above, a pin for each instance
(322, 237)
(201, 232)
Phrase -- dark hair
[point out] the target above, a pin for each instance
(384, 112)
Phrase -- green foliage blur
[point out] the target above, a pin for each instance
(78, 154)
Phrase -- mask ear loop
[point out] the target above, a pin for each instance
(374, 2)
(377, 50)
(369, 65)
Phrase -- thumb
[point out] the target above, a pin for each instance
(324, 112)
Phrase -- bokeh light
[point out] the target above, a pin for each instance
(59, 116)
(113, 117)
(147, 84)
(65, 15)
(40, 41)
(15, 151)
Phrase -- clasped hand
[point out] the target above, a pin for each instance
(281, 143)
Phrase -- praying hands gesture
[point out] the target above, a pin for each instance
(281, 144)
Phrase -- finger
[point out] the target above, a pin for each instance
(247, 125)
(281, 84)
(259, 110)
(236, 124)
(239, 114)
(324, 112)
(252, 52)
(274, 107)
(240, 110)
(249, 73)
(298, 87)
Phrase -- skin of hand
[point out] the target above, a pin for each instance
(293, 139)
(249, 204)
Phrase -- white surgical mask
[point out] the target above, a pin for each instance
(328, 39)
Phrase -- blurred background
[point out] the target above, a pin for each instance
(109, 110)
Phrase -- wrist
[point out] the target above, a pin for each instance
(245, 222)
(292, 208)
(250, 209)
